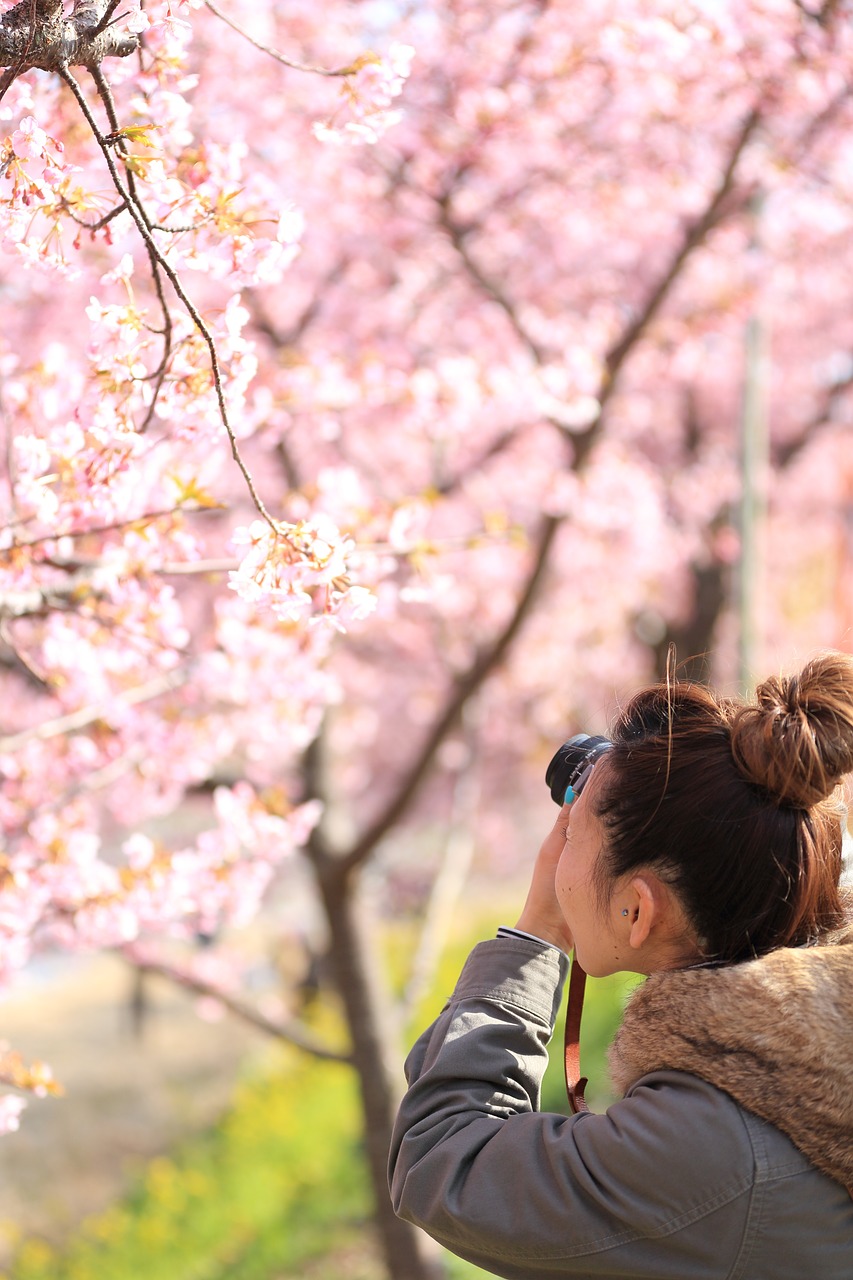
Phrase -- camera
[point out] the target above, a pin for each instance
(571, 765)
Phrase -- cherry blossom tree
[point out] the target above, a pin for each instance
(370, 385)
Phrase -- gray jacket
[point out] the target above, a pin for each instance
(675, 1181)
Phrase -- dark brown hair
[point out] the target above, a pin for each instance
(733, 804)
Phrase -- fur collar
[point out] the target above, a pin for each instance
(776, 1034)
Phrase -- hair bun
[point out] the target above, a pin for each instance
(797, 743)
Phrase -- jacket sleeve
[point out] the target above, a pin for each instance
(524, 1194)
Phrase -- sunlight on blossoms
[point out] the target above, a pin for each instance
(283, 566)
(29, 140)
(367, 98)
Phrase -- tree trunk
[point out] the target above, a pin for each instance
(408, 1254)
(694, 637)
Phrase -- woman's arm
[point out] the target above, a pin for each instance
(527, 1195)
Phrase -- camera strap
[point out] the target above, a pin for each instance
(575, 1082)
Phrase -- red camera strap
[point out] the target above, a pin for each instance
(575, 1082)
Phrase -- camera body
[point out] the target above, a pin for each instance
(571, 765)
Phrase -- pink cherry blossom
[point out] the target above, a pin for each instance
(376, 405)
(29, 139)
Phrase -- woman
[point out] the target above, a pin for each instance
(703, 849)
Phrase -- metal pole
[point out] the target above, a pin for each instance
(754, 462)
(755, 459)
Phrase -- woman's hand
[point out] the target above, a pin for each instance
(542, 915)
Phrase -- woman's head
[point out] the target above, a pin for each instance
(732, 806)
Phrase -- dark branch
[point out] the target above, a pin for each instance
(458, 236)
(498, 446)
(290, 1032)
(722, 203)
(158, 377)
(91, 226)
(719, 205)
(289, 337)
(784, 454)
(477, 674)
(107, 16)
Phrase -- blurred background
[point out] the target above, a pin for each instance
(561, 371)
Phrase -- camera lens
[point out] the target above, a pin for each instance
(571, 763)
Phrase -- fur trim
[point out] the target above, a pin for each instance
(776, 1034)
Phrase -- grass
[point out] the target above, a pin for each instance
(278, 1189)
(258, 1195)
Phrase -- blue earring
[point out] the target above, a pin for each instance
(624, 911)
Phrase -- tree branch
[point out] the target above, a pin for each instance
(75, 721)
(29, 602)
(37, 33)
(464, 688)
(498, 446)
(720, 204)
(458, 236)
(490, 658)
(289, 337)
(348, 70)
(447, 886)
(290, 1032)
(13, 660)
(143, 226)
(106, 17)
(159, 376)
(784, 454)
(823, 15)
(694, 235)
(130, 523)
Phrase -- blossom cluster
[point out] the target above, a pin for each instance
(284, 567)
(427, 354)
(60, 888)
(366, 113)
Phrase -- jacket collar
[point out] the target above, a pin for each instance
(775, 1033)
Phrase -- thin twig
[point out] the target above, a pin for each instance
(159, 375)
(279, 57)
(90, 226)
(116, 525)
(143, 227)
(106, 17)
(187, 229)
(178, 568)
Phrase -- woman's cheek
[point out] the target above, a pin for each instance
(562, 882)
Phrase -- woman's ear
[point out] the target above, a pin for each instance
(656, 926)
(644, 910)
